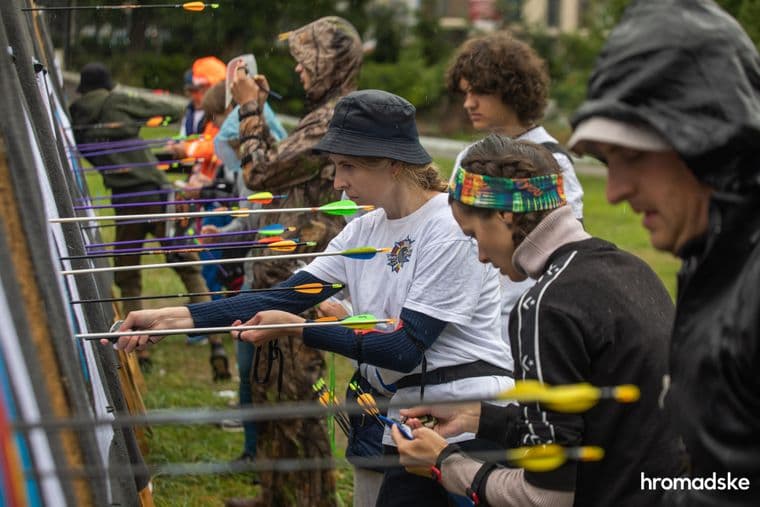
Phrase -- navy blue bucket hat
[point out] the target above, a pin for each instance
(374, 123)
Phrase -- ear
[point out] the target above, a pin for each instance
(507, 217)
(395, 167)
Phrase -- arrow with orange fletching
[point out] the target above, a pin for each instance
(257, 198)
(306, 288)
(284, 245)
(187, 6)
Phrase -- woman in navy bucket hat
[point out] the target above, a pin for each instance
(431, 282)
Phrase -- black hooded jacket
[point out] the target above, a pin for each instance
(686, 69)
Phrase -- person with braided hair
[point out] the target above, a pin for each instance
(596, 314)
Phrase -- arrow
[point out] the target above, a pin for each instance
(543, 458)
(286, 245)
(269, 230)
(152, 122)
(307, 288)
(125, 195)
(362, 253)
(367, 402)
(188, 6)
(161, 165)
(345, 207)
(362, 323)
(258, 198)
(571, 398)
(327, 399)
(283, 245)
(133, 143)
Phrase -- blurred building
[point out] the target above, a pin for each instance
(552, 15)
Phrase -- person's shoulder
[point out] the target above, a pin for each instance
(439, 221)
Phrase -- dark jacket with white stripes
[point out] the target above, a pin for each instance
(596, 315)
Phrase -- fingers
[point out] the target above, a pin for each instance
(413, 423)
(236, 334)
(398, 438)
(415, 411)
(262, 82)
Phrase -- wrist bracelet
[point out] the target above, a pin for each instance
(447, 451)
(250, 108)
(477, 490)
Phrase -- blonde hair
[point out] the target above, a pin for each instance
(425, 176)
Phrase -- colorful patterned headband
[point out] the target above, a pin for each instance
(518, 195)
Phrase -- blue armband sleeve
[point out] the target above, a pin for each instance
(224, 312)
(400, 350)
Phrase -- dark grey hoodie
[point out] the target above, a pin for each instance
(688, 70)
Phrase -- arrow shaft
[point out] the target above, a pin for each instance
(166, 216)
(174, 238)
(158, 203)
(121, 252)
(113, 167)
(126, 195)
(198, 263)
(100, 7)
(209, 293)
(214, 330)
(100, 145)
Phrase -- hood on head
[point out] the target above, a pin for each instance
(686, 69)
(330, 49)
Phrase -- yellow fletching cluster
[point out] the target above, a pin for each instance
(367, 402)
(572, 398)
(543, 458)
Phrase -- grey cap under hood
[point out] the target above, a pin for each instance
(688, 70)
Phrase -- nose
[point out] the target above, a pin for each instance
(482, 257)
(339, 183)
(470, 102)
(299, 68)
(620, 185)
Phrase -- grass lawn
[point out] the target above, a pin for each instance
(181, 375)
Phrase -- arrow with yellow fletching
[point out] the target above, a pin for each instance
(152, 122)
(544, 458)
(572, 398)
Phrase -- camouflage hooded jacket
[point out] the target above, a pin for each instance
(330, 50)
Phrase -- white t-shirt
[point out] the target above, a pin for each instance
(433, 269)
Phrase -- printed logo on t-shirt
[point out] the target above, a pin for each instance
(400, 254)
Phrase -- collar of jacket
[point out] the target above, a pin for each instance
(557, 229)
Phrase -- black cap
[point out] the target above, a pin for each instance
(374, 123)
(94, 76)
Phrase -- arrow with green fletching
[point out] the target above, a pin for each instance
(341, 208)
(365, 321)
